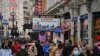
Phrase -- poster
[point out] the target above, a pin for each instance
(5, 52)
(45, 24)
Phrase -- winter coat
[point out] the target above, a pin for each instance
(67, 50)
(45, 48)
(39, 50)
(55, 52)
(15, 48)
(22, 52)
(32, 50)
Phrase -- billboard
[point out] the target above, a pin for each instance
(45, 24)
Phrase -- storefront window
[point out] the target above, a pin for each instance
(97, 28)
(84, 31)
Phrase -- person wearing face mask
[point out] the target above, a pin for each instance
(76, 51)
(22, 51)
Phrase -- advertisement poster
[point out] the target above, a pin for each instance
(66, 26)
(97, 28)
(45, 24)
(35, 23)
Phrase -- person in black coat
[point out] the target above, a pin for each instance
(95, 50)
(39, 48)
(67, 48)
(22, 51)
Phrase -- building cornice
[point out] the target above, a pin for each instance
(54, 7)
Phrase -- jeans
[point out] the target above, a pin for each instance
(46, 54)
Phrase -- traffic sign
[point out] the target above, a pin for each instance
(5, 22)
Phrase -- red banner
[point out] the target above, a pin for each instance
(38, 6)
(12, 4)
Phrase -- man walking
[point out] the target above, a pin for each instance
(67, 48)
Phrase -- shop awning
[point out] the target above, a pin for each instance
(96, 14)
(57, 30)
(85, 16)
(43, 30)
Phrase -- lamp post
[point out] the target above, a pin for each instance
(13, 18)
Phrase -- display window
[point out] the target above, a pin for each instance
(84, 30)
(97, 28)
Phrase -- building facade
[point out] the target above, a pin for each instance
(79, 13)
(6, 9)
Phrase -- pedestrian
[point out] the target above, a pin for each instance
(31, 48)
(76, 51)
(57, 50)
(52, 46)
(39, 48)
(22, 51)
(88, 50)
(5, 43)
(5, 50)
(15, 47)
(67, 48)
(45, 48)
(95, 50)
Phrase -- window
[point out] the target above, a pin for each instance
(25, 2)
(25, 7)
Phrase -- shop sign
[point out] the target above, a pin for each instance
(45, 25)
(65, 26)
(5, 22)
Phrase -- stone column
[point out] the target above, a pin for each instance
(78, 31)
(90, 29)
(54, 37)
(72, 25)
(62, 37)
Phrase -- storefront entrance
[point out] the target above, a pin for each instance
(96, 26)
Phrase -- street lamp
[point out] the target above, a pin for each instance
(13, 18)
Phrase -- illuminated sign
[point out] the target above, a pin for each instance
(12, 4)
(38, 6)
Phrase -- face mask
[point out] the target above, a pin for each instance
(76, 52)
(22, 47)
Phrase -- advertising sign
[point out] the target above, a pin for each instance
(5, 52)
(66, 25)
(45, 24)
(5, 22)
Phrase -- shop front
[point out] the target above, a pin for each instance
(45, 27)
(96, 26)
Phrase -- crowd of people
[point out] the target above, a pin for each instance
(28, 47)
